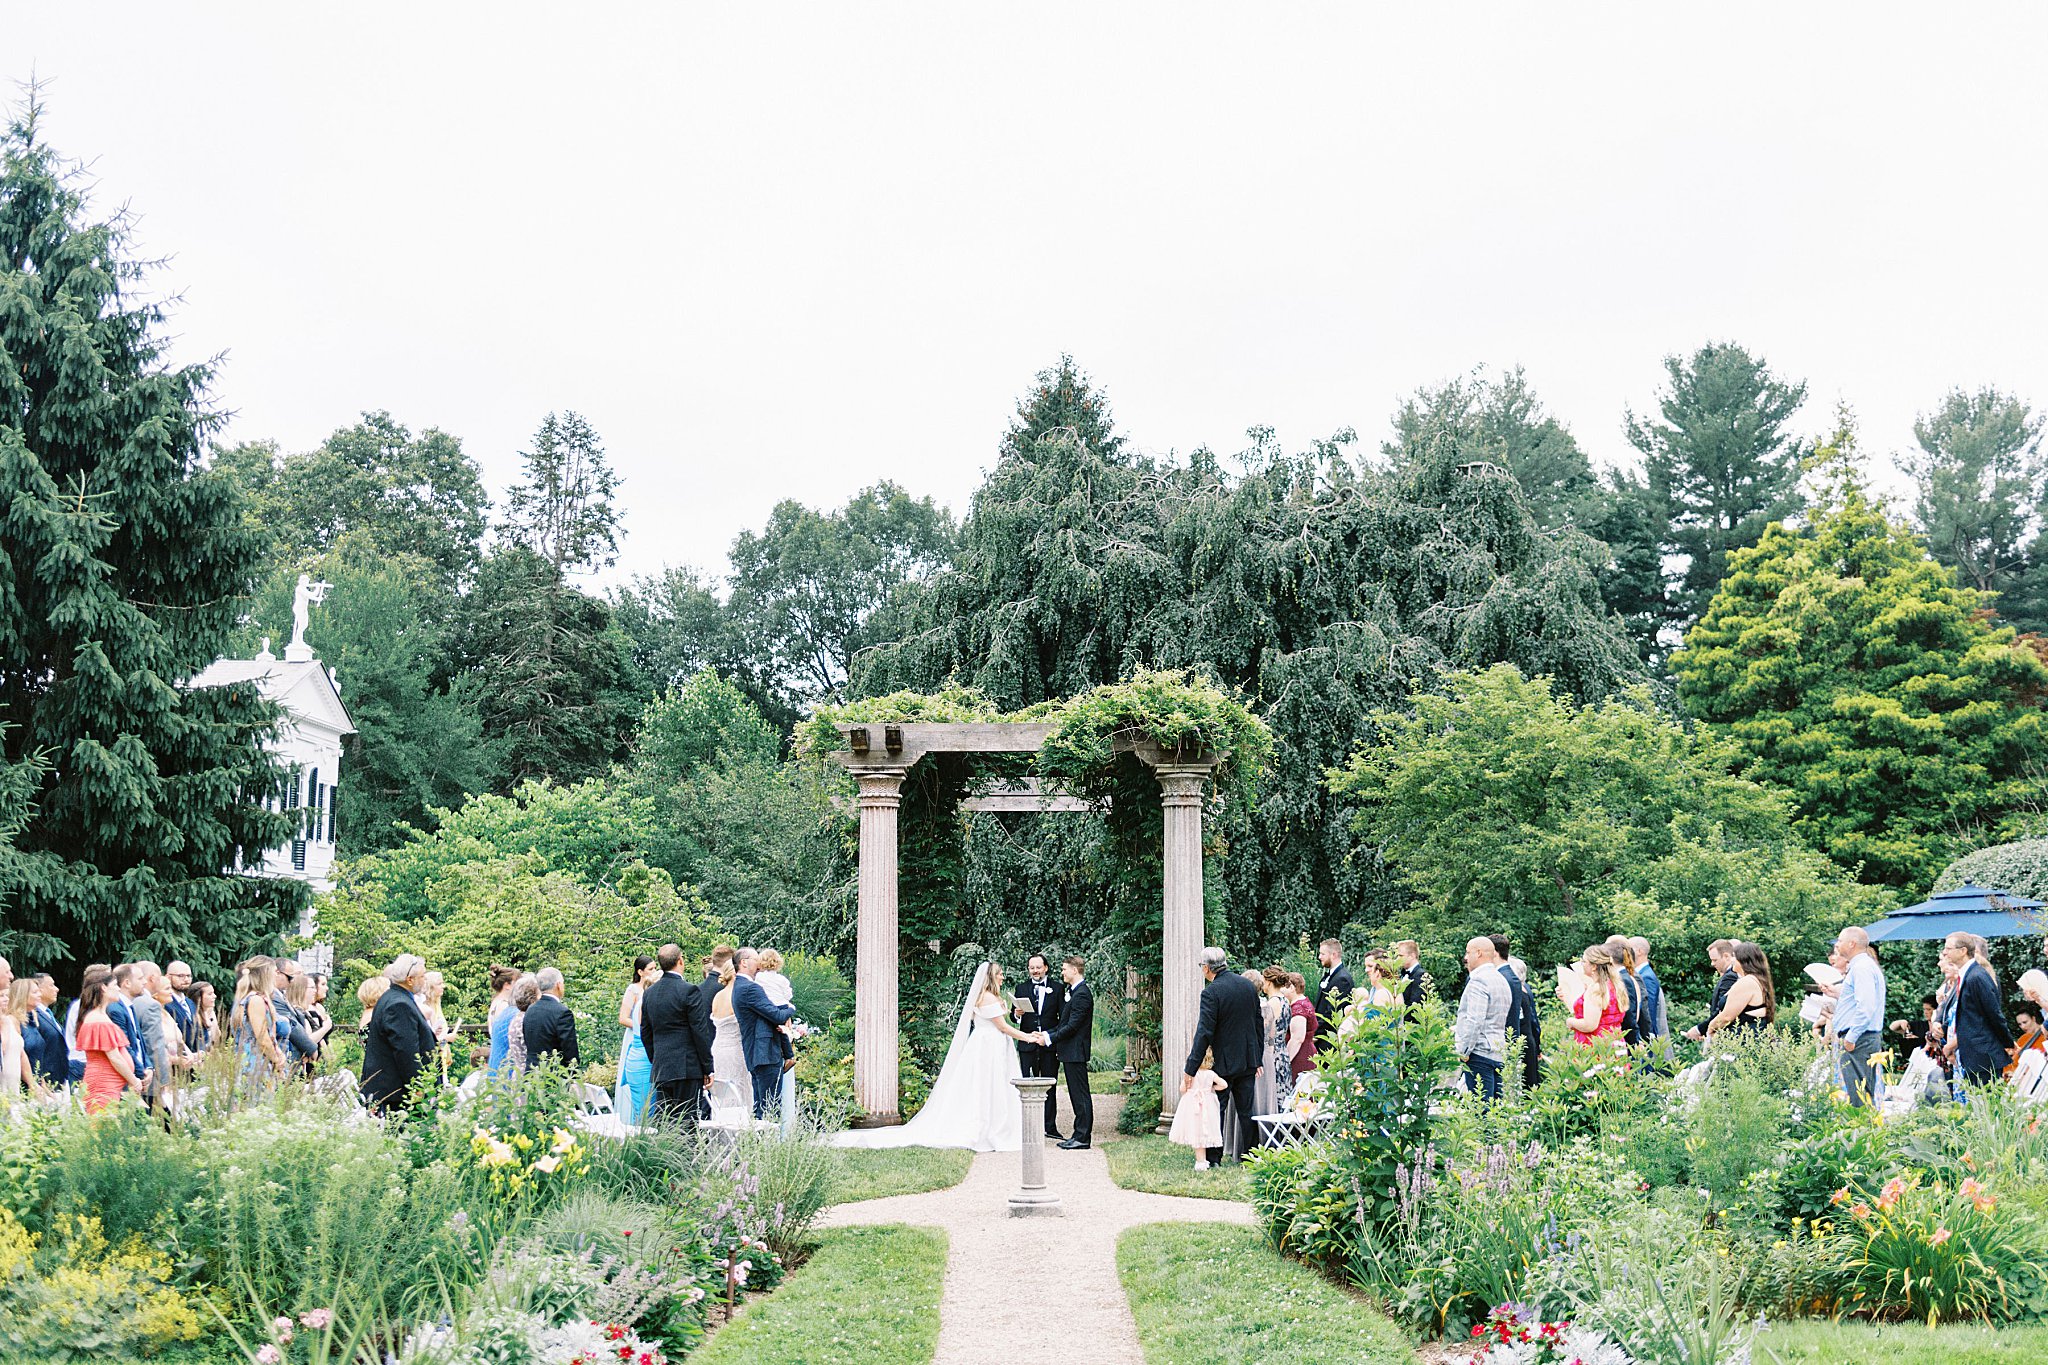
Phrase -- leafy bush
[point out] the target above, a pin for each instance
(71, 1293)
(1814, 1167)
(120, 1168)
(1734, 1121)
(1378, 1078)
(1140, 1114)
(794, 1178)
(819, 991)
(824, 1077)
(1309, 1205)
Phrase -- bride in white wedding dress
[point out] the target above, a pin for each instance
(972, 1103)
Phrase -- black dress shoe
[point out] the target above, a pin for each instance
(1074, 1145)
(1055, 1136)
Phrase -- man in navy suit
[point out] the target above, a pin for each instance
(1983, 1042)
(759, 1018)
(1070, 1039)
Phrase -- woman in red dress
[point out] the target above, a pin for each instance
(109, 1070)
(1597, 1015)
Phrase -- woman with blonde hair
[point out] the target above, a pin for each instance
(16, 1074)
(253, 1023)
(728, 1056)
(299, 995)
(780, 991)
(1597, 1013)
(367, 995)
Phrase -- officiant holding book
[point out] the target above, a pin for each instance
(1038, 1004)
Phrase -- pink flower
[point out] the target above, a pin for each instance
(1971, 1188)
(267, 1354)
(316, 1318)
(1940, 1235)
(281, 1328)
(1860, 1210)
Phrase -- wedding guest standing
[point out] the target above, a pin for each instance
(549, 1028)
(780, 991)
(675, 1028)
(1265, 1094)
(1279, 1011)
(1414, 981)
(17, 1076)
(1856, 1029)
(1301, 1030)
(1982, 1041)
(1333, 992)
(1523, 1022)
(1228, 1026)
(1752, 1002)
(758, 1018)
(1658, 1022)
(1481, 1029)
(635, 1070)
(253, 1023)
(400, 1041)
(1720, 957)
(48, 1052)
(498, 1018)
(1596, 1014)
(109, 1066)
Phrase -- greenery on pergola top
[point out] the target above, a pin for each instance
(1180, 710)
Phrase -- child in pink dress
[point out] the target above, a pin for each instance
(1198, 1118)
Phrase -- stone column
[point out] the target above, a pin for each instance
(1032, 1198)
(1180, 979)
(875, 1012)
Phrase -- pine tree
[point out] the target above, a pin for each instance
(550, 674)
(563, 511)
(1857, 674)
(1979, 475)
(123, 565)
(1720, 463)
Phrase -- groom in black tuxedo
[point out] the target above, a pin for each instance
(1046, 997)
(1071, 1038)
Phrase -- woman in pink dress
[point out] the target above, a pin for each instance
(1596, 1015)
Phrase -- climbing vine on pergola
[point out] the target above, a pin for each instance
(1171, 731)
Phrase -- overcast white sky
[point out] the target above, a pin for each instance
(785, 251)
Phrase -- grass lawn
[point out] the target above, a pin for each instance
(898, 1170)
(1156, 1166)
(869, 1296)
(1863, 1343)
(1207, 1294)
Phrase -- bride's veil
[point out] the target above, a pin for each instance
(966, 1020)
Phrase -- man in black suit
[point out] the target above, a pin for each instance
(1231, 1029)
(399, 1039)
(1721, 956)
(1046, 998)
(1414, 981)
(1333, 992)
(675, 1028)
(549, 1027)
(1523, 1022)
(1070, 1039)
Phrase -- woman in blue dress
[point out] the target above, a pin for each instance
(635, 1070)
(499, 1020)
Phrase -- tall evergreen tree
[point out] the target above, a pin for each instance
(550, 674)
(1858, 675)
(1979, 476)
(563, 510)
(123, 565)
(1720, 462)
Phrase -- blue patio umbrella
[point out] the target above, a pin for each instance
(1967, 909)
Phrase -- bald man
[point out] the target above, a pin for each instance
(1857, 1028)
(1481, 1030)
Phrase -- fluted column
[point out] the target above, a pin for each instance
(874, 976)
(1180, 979)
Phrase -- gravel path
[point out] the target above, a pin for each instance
(1013, 1281)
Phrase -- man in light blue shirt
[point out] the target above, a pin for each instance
(1857, 1026)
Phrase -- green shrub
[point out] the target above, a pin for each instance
(69, 1292)
(1735, 1120)
(1378, 1077)
(824, 1077)
(1309, 1205)
(122, 1169)
(819, 991)
(1140, 1114)
(1857, 1153)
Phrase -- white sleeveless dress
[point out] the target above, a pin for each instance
(735, 1089)
(972, 1104)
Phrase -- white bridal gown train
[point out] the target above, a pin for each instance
(972, 1103)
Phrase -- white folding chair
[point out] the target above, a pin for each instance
(471, 1083)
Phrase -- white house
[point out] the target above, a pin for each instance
(308, 740)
